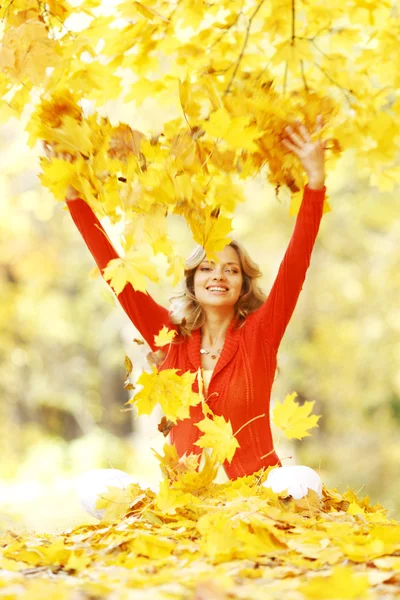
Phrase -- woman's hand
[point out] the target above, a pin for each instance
(72, 193)
(311, 154)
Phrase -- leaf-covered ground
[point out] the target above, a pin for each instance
(199, 540)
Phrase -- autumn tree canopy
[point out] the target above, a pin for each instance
(234, 72)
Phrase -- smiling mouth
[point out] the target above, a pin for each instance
(217, 289)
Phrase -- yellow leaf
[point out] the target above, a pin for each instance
(294, 420)
(153, 546)
(169, 499)
(143, 89)
(57, 176)
(116, 501)
(172, 465)
(134, 269)
(164, 336)
(341, 583)
(184, 93)
(234, 130)
(218, 435)
(210, 231)
(173, 392)
(78, 562)
(198, 481)
(176, 268)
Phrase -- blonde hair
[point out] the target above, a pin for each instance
(188, 314)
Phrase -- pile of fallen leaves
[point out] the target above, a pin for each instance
(200, 540)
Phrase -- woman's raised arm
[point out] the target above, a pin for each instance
(274, 315)
(146, 315)
(277, 310)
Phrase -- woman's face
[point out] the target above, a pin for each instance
(219, 284)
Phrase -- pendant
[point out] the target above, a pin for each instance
(204, 351)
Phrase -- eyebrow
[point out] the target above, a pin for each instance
(211, 262)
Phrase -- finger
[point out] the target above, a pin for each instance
(304, 132)
(295, 138)
(291, 146)
(319, 124)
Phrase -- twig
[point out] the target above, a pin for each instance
(319, 49)
(243, 47)
(303, 75)
(344, 90)
(219, 38)
(293, 21)
(285, 77)
(248, 423)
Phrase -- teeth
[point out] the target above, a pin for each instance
(217, 289)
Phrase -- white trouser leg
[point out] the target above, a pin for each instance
(91, 484)
(296, 479)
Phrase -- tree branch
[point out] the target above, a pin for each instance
(293, 21)
(345, 91)
(219, 38)
(303, 76)
(243, 47)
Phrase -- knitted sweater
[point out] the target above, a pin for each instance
(242, 379)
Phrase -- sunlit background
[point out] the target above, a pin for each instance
(63, 340)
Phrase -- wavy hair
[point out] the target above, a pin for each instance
(187, 313)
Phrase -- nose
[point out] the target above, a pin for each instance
(218, 274)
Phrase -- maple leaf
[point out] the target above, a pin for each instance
(210, 231)
(57, 176)
(176, 268)
(198, 481)
(234, 130)
(164, 336)
(218, 435)
(134, 268)
(174, 466)
(173, 392)
(341, 583)
(169, 499)
(294, 420)
(61, 104)
(124, 142)
(165, 426)
(117, 501)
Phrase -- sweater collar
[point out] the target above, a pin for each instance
(228, 351)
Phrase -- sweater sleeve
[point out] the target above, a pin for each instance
(146, 315)
(274, 315)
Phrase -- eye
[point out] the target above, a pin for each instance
(205, 269)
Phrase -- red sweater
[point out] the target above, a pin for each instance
(241, 383)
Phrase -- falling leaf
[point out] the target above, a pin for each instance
(128, 365)
(134, 269)
(218, 435)
(173, 392)
(294, 420)
(164, 336)
(165, 426)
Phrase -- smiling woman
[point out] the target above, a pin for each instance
(235, 270)
(226, 327)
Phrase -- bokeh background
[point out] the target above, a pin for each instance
(63, 339)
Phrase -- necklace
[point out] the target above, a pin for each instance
(213, 355)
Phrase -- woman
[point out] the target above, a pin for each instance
(230, 330)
